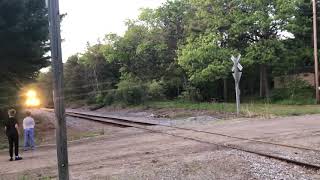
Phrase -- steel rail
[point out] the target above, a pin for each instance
(139, 125)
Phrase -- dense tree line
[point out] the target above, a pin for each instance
(183, 49)
(23, 45)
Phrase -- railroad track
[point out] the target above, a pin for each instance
(122, 122)
(110, 120)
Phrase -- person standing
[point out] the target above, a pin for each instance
(28, 126)
(12, 132)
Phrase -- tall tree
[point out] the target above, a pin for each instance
(101, 73)
(141, 52)
(172, 22)
(24, 41)
(75, 79)
(300, 49)
(264, 22)
(45, 84)
(211, 33)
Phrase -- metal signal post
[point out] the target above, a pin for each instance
(237, 72)
(315, 47)
(57, 66)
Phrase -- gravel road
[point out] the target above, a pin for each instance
(129, 153)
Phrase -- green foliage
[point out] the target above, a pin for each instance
(156, 90)
(99, 99)
(183, 48)
(265, 52)
(131, 91)
(75, 79)
(110, 97)
(296, 92)
(91, 100)
(132, 95)
(247, 109)
(89, 75)
(191, 94)
(101, 72)
(142, 52)
(45, 83)
(204, 60)
(24, 43)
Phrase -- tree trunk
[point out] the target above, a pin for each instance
(261, 81)
(96, 80)
(185, 81)
(264, 82)
(252, 85)
(225, 89)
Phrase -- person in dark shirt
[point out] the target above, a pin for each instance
(12, 132)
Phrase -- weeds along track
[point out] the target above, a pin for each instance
(148, 126)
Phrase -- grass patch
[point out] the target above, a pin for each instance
(247, 109)
(221, 107)
(29, 177)
(3, 140)
(83, 135)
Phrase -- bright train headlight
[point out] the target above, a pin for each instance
(32, 99)
(33, 102)
(31, 94)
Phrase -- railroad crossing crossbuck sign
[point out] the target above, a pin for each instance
(237, 72)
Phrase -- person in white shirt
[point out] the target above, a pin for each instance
(28, 126)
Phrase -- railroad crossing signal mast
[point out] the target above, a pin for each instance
(57, 66)
(237, 72)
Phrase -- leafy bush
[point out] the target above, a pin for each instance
(279, 94)
(91, 100)
(296, 92)
(156, 90)
(99, 99)
(192, 94)
(131, 92)
(110, 97)
(132, 95)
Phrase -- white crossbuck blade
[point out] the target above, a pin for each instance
(236, 59)
(236, 63)
(239, 67)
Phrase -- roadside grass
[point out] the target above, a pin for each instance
(44, 133)
(3, 137)
(30, 177)
(84, 135)
(3, 140)
(247, 109)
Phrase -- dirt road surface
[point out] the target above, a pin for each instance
(129, 153)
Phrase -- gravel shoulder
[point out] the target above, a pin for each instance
(152, 156)
(129, 153)
(76, 128)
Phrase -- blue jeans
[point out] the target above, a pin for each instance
(29, 138)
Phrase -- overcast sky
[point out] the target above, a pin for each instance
(88, 20)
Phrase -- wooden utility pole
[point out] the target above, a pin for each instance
(57, 66)
(315, 49)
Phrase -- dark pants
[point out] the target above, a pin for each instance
(13, 139)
